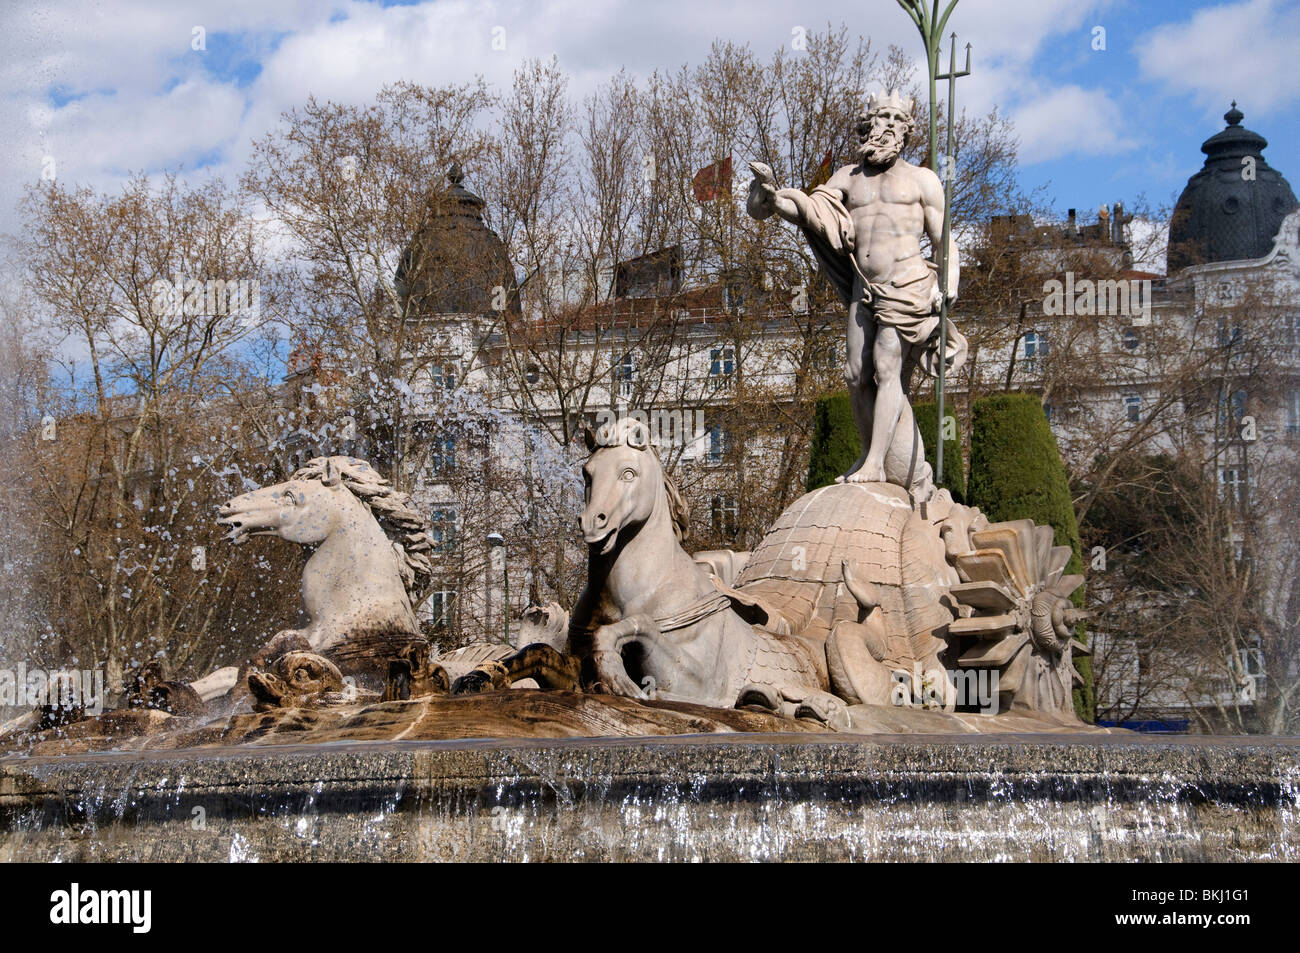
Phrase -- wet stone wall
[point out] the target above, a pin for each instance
(711, 798)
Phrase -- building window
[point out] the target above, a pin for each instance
(1232, 481)
(1232, 407)
(442, 608)
(1238, 545)
(827, 356)
(1293, 411)
(722, 367)
(1131, 339)
(1133, 407)
(726, 516)
(444, 376)
(1035, 349)
(442, 456)
(1250, 662)
(624, 374)
(532, 374)
(719, 444)
(1292, 330)
(733, 299)
(1230, 335)
(443, 529)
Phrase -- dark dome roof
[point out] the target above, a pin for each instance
(455, 261)
(1224, 214)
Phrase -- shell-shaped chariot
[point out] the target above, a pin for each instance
(916, 595)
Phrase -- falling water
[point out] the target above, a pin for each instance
(682, 799)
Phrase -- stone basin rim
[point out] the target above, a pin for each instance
(753, 741)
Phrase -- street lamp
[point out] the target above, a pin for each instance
(930, 23)
(945, 249)
(495, 540)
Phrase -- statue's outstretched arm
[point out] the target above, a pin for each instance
(765, 199)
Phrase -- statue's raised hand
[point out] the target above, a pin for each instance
(761, 203)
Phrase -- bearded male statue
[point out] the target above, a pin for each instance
(865, 226)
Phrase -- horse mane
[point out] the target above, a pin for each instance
(678, 508)
(392, 509)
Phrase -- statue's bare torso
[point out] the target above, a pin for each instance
(891, 209)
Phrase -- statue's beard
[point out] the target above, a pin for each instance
(882, 149)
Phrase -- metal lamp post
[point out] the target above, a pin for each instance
(931, 23)
(951, 76)
(495, 540)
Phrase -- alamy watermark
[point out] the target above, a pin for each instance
(67, 688)
(662, 427)
(946, 689)
(1106, 296)
(74, 906)
(216, 297)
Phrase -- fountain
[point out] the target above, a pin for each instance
(887, 675)
(552, 752)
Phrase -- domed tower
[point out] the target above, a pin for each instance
(1230, 210)
(455, 264)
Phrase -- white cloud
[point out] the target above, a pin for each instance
(141, 98)
(190, 120)
(124, 61)
(1243, 51)
(1070, 120)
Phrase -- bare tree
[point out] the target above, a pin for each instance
(151, 294)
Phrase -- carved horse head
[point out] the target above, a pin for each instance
(300, 510)
(625, 485)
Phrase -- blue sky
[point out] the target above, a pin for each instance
(109, 88)
(1171, 70)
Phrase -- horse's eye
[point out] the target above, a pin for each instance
(628, 474)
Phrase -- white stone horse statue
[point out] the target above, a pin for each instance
(371, 549)
(651, 622)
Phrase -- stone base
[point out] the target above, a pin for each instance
(707, 797)
(519, 713)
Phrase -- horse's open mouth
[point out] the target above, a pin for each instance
(242, 527)
(610, 539)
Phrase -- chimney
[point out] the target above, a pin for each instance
(1117, 224)
(1072, 227)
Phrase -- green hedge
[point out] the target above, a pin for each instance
(835, 443)
(1016, 473)
(954, 476)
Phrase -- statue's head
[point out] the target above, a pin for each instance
(321, 497)
(883, 130)
(296, 679)
(624, 485)
(305, 509)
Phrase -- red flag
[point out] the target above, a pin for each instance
(710, 181)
